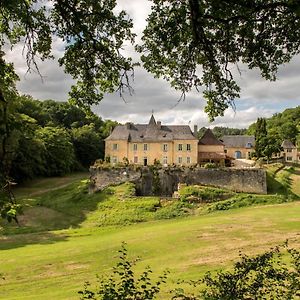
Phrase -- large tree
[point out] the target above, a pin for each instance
(191, 43)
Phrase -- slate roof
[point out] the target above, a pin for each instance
(209, 138)
(238, 141)
(151, 132)
(287, 144)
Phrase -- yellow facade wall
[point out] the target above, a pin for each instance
(165, 152)
(290, 155)
(116, 154)
(185, 155)
(231, 151)
(211, 148)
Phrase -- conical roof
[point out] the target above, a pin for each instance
(152, 120)
(209, 139)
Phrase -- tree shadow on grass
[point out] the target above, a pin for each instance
(59, 209)
(20, 240)
(282, 187)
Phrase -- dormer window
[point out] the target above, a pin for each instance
(249, 145)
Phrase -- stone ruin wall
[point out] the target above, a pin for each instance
(164, 182)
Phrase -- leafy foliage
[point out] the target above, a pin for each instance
(194, 193)
(123, 285)
(281, 126)
(265, 276)
(194, 44)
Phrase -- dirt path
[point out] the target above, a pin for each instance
(43, 185)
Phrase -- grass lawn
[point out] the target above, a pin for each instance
(54, 265)
(39, 262)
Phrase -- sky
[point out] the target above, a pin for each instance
(259, 98)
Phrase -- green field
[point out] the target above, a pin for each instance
(67, 237)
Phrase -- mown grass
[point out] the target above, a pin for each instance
(67, 236)
(57, 266)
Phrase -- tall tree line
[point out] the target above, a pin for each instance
(49, 138)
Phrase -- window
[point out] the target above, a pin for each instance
(289, 158)
(165, 147)
(225, 150)
(188, 147)
(134, 147)
(145, 147)
(114, 160)
(165, 160)
(180, 160)
(179, 147)
(288, 150)
(135, 159)
(188, 160)
(115, 147)
(249, 145)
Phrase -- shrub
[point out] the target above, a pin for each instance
(264, 276)
(210, 166)
(194, 193)
(123, 285)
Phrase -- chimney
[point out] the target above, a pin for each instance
(195, 130)
(158, 124)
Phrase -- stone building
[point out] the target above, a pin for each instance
(144, 143)
(239, 146)
(210, 149)
(290, 152)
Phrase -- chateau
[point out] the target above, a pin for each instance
(144, 144)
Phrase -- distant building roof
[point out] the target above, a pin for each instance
(209, 138)
(238, 141)
(151, 132)
(287, 144)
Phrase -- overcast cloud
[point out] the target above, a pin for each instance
(259, 98)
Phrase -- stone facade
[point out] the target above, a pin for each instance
(165, 181)
(142, 144)
(239, 146)
(290, 152)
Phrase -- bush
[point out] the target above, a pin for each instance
(244, 200)
(194, 193)
(210, 166)
(123, 285)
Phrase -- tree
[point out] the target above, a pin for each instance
(59, 157)
(191, 43)
(87, 144)
(123, 285)
(195, 43)
(260, 136)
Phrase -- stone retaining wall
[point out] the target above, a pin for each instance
(165, 181)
